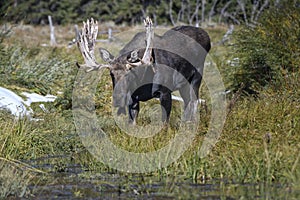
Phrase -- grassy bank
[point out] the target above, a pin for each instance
(259, 143)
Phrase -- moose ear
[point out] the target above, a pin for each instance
(106, 56)
(134, 56)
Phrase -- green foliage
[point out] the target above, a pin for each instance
(268, 52)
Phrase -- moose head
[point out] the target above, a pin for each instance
(118, 66)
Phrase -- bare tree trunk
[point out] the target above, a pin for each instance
(181, 12)
(227, 34)
(170, 12)
(226, 14)
(254, 9)
(212, 12)
(144, 12)
(52, 36)
(190, 18)
(154, 18)
(76, 32)
(110, 37)
(223, 10)
(266, 3)
(77, 35)
(242, 5)
(195, 14)
(203, 11)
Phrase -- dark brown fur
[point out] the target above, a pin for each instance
(180, 50)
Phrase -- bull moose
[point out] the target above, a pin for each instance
(152, 66)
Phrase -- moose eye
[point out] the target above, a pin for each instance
(133, 57)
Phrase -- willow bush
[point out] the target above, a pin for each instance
(269, 52)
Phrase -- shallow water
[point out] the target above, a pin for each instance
(75, 183)
(88, 185)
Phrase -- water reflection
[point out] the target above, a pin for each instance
(89, 185)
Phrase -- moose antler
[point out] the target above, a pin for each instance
(147, 59)
(149, 40)
(86, 44)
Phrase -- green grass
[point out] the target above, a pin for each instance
(14, 179)
(259, 143)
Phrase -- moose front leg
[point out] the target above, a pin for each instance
(166, 104)
(133, 110)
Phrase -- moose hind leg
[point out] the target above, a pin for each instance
(194, 95)
(190, 93)
(185, 94)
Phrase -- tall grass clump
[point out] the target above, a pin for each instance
(42, 70)
(35, 72)
(259, 144)
(269, 52)
(14, 179)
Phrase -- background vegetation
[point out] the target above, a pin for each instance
(132, 12)
(260, 140)
(269, 52)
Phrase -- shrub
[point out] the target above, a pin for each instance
(268, 51)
